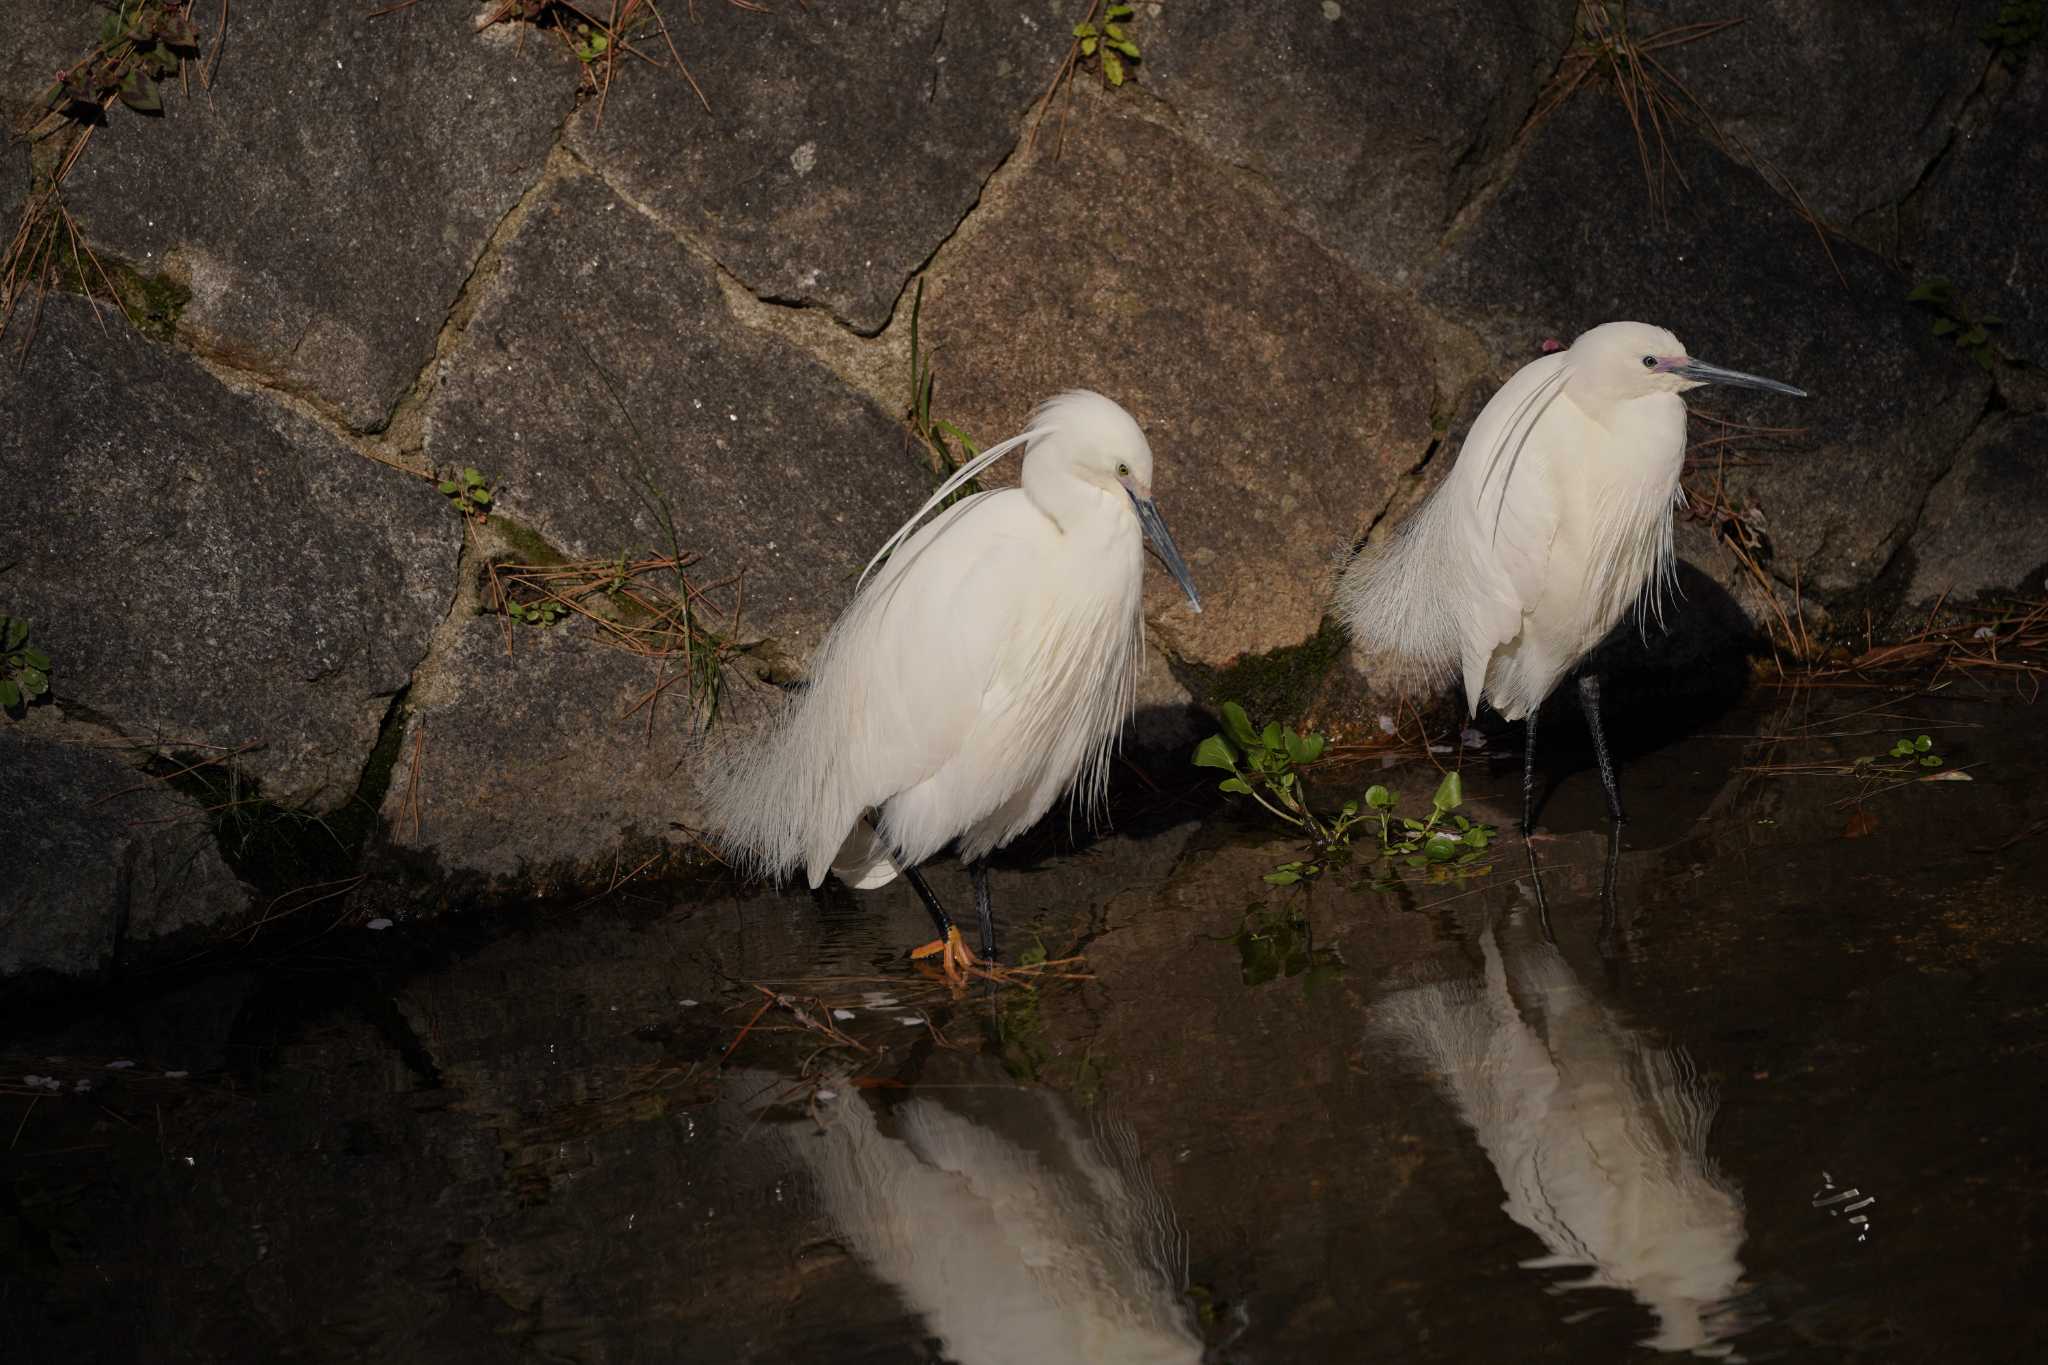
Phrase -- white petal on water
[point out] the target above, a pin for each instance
(842, 1014)
(378, 923)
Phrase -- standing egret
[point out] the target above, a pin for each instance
(987, 668)
(1556, 518)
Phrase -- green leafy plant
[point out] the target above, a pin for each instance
(544, 612)
(1110, 44)
(141, 43)
(24, 669)
(470, 492)
(2017, 28)
(1262, 764)
(1954, 320)
(938, 436)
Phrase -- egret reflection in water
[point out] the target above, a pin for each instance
(1019, 1234)
(1596, 1131)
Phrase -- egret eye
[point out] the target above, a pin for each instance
(1649, 362)
(1123, 471)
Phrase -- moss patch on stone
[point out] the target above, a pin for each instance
(1279, 685)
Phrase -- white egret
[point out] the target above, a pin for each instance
(987, 668)
(1016, 1234)
(1555, 520)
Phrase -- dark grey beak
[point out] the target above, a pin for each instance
(1162, 541)
(1700, 372)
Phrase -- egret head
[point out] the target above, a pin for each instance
(1087, 437)
(1624, 360)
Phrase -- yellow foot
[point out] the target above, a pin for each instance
(956, 959)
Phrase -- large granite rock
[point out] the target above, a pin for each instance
(1741, 279)
(529, 767)
(1850, 103)
(1979, 217)
(1985, 526)
(1281, 394)
(207, 568)
(327, 198)
(843, 143)
(98, 857)
(634, 383)
(1376, 123)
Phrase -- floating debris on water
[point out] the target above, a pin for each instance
(1840, 1201)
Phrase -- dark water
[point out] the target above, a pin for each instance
(1758, 1091)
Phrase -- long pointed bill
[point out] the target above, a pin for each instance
(1162, 541)
(1700, 372)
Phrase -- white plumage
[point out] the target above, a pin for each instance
(1555, 520)
(984, 669)
(1597, 1134)
(1051, 1245)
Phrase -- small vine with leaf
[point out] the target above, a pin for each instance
(1263, 763)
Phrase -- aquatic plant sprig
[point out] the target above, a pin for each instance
(1262, 763)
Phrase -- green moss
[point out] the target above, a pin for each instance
(526, 545)
(153, 303)
(1279, 685)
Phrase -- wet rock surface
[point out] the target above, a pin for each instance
(1957, 548)
(324, 276)
(1267, 89)
(1977, 212)
(636, 411)
(101, 834)
(208, 570)
(597, 779)
(842, 145)
(1853, 148)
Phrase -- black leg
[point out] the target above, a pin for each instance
(1589, 698)
(1529, 770)
(984, 907)
(931, 902)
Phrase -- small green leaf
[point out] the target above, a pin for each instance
(1084, 30)
(1450, 793)
(1128, 48)
(1311, 748)
(139, 92)
(1350, 808)
(1931, 290)
(33, 681)
(1923, 744)
(1943, 326)
(1379, 798)
(17, 631)
(1236, 785)
(1215, 752)
(1112, 68)
(471, 477)
(1930, 760)
(1478, 836)
(1118, 12)
(451, 489)
(1270, 736)
(1408, 822)
(35, 658)
(1088, 47)
(480, 495)
(1239, 726)
(10, 695)
(1115, 31)
(1282, 877)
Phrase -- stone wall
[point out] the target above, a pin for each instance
(365, 249)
